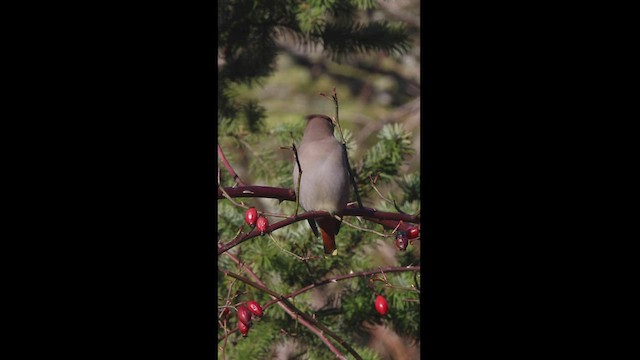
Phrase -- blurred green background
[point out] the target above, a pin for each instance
(374, 88)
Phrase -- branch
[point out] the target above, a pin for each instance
(259, 191)
(316, 327)
(298, 312)
(349, 276)
(286, 309)
(385, 219)
(289, 194)
(236, 178)
(255, 232)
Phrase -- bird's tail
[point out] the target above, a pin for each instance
(328, 229)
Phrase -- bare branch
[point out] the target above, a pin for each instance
(288, 194)
(223, 158)
(259, 191)
(314, 326)
(386, 219)
(255, 232)
(390, 269)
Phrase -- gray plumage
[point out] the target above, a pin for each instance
(325, 178)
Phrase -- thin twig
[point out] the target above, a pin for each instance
(285, 250)
(236, 178)
(413, 289)
(373, 185)
(396, 229)
(363, 229)
(295, 154)
(224, 324)
(334, 97)
(228, 197)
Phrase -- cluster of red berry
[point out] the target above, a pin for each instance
(244, 316)
(403, 238)
(252, 218)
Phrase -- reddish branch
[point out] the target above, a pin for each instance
(384, 218)
(286, 309)
(279, 299)
(223, 158)
(289, 194)
(387, 219)
(290, 220)
(259, 191)
(297, 312)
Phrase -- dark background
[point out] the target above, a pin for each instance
(115, 157)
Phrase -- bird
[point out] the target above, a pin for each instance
(324, 185)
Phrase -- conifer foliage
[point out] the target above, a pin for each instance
(277, 291)
(247, 30)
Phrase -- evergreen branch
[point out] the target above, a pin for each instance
(297, 312)
(343, 38)
(223, 158)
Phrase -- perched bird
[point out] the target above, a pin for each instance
(324, 185)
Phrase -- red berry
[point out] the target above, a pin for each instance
(244, 315)
(401, 240)
(244, 329)
(251, 216)
(254, 307)
(413, 232)
(262, 224)
(381, 305)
